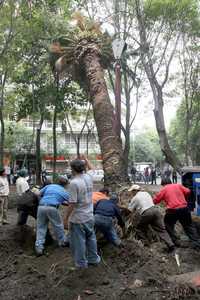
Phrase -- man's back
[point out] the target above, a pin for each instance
(105, 208)
(53, 194)
(141, 202)
(80, 190)
(174, 196)
(22, 185)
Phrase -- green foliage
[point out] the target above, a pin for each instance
(145, 147)
(18, 138)
(178, 131)
(179, 15)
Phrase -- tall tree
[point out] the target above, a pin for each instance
(83, 54)
(169, 21)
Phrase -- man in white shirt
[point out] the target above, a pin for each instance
(21, 183)
(4, 192)
(142, 202)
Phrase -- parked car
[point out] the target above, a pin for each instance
(48, 174)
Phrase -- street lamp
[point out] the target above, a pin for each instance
(118, 47)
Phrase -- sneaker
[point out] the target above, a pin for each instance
(39, 252)
(64, 244)
(95, 263)
(5, 222)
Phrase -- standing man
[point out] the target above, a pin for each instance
(133, 173)
(79, 216)
(153, 175)
(146, 175)
(52, 196)
(4, 192)
(174, 196)
(174, 176)
(149, 215)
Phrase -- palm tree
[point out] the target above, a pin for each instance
(83, 55)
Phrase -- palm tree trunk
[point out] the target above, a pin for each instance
(110, 143)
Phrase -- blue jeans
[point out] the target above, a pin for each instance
(83, 244)
(105, 225)
(45, 215)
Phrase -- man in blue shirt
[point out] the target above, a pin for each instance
(52, 196)
(105, 212)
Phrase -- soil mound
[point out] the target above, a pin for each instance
(133, 272)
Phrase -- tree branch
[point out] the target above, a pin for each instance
(170, 60)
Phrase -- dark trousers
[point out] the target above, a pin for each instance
(183, 215)
(153, 217)
(174, 179)
(24, 212)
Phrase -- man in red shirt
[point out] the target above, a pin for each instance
(175, 197)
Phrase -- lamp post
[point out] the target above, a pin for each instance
(37, 156)
(118, 47)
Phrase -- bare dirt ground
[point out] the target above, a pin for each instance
(134, 272)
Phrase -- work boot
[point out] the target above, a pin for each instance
(64, 244)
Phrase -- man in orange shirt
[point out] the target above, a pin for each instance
(175, 198)
(103, 194)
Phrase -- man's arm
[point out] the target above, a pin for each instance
(119, 217)
(132, 205)
(185, 190)
(158, 197)
(69, 210)
(71, 203)
(43, 190)
(88, 164)
(64, 196)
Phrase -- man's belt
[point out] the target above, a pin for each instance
(51, 205)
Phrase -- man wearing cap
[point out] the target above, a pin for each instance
(142, 202)
(52, 196)
(4, 192)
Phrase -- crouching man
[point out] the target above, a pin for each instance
(105, 211)
(52, 196)
(149, 215)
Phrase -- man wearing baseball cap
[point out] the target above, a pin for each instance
(142, 202)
